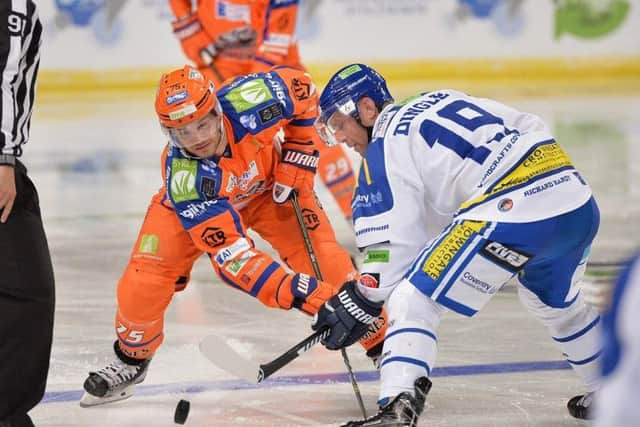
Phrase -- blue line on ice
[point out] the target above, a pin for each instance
(203, 386)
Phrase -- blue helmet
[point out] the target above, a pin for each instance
(346, 88)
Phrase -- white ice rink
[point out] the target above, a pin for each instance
(96, 165)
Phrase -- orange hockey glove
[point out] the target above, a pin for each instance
(196, 43)
(297, 170)
(304, 292)
(238, 43)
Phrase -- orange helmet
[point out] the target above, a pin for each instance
(183, 96)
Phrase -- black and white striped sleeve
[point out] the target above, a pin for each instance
(20, 38)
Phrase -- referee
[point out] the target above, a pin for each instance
(27, 294)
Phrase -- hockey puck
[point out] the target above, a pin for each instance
(182, 412)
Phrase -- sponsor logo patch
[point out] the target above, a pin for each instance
(505, 256)
(449, 247)
(543, 159)
(376, 255)
(196, 209)
(183, 180)
(270, 112)
(208, 187)
(301, 90)
(248, 121)
(311, 220)
(234, 266)
(232, 250)
(248, 95)
(213, 237)
(349, 71)
(477, 284)
(370, 280)
(182, 112)
(149, 244)
(177, 97)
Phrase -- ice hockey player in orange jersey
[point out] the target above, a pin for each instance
(228, 38)
(233, 159)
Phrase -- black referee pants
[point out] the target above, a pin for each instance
(27, 299)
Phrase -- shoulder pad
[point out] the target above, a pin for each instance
(255, 102)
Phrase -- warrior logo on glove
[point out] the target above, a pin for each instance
(301, 159)
(347, 316)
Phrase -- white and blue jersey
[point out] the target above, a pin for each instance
(458, 194)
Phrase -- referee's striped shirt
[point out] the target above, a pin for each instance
(20, 37)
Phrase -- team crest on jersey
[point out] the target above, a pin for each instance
(242, 181)
(505, 205)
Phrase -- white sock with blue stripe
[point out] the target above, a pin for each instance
(410, 345)
(575, 329)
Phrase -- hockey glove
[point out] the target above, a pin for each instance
(303, 292)
(238, 43)
(347, 315)
(296, 171)
(196, 43)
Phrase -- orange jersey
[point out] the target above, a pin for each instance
(260, 112)
(218, 199)
(276, 26)
(208, 205)
(272, 23)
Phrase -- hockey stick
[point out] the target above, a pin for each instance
(318, 273)
(218, 351)
(208, 59)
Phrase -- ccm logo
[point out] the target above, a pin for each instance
(505, 256)
(352, 308)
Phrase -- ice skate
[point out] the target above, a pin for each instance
(403, 410)
(114, 382)
(581, 406)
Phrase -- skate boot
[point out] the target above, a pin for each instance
(375, 355)
(403, 410)
(115, 381)
(581, 406)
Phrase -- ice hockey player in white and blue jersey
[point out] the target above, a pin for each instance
(617, 398)
(456, 196)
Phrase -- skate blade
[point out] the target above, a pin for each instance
(88, 400)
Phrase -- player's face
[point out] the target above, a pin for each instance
(347, 130)
(201, 138)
